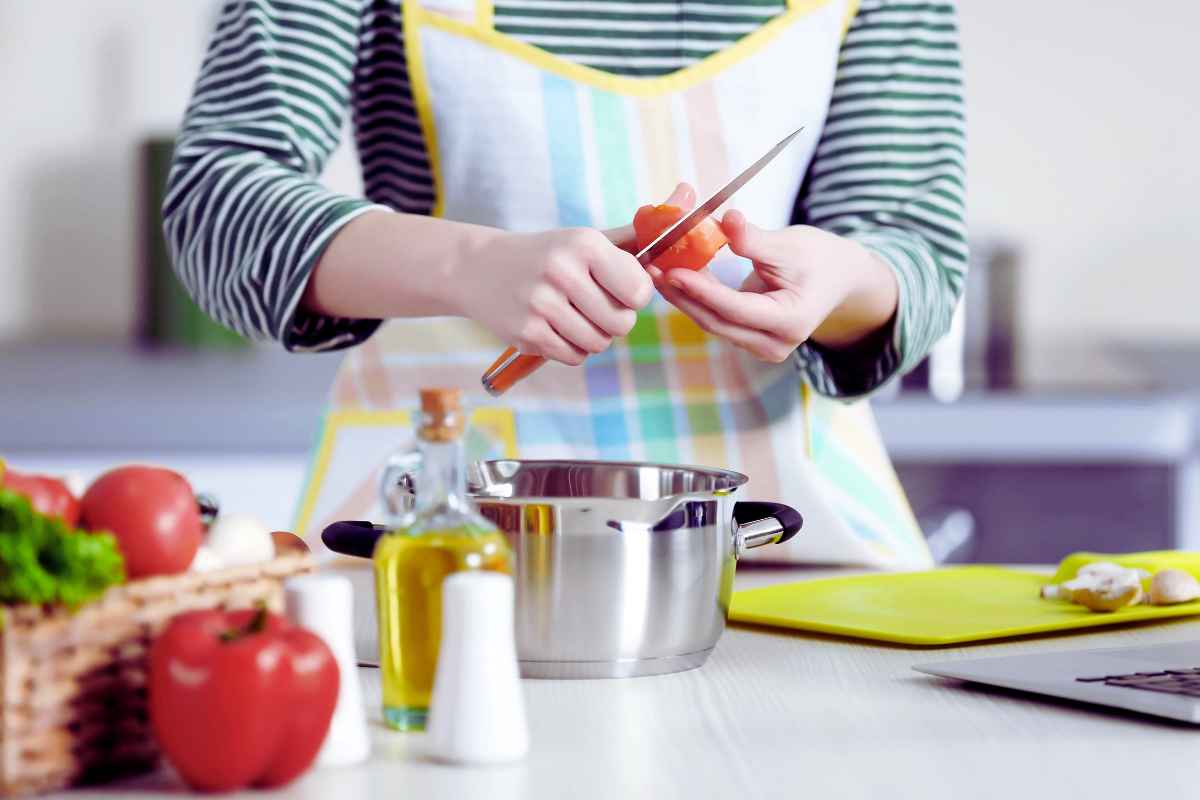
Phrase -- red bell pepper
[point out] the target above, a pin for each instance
(240, 698)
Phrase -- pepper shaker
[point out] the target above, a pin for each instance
(324, 604)
(477, 712)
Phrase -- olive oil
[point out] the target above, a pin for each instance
(443, 536)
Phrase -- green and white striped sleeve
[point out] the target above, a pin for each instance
(889, 173)
(244, 214)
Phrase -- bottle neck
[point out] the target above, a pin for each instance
(443, 476)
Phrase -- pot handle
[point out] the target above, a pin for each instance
(355, 538)
(759, 523)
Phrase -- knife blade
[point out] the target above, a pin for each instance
(511, 366)
(665, 240)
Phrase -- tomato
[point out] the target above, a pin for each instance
(693, 251)
(240, 698)
(152, 512)
(49, 496)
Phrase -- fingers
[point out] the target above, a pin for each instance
(604, 312)
(620, 274)
(623, 237)
(749, 240)
(539, 338)
(749, 309)
(756, 342)
(577, 330)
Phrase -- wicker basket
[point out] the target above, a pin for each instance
(74, 684)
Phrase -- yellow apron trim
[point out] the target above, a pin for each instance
(851, 13)
(500, 422)
(676, 81)
(415, 15)
(806, 413)
(484, 14)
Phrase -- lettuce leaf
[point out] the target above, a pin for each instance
(43, 561)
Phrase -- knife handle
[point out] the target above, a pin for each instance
(508, 369)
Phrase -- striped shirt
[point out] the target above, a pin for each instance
(246, 218)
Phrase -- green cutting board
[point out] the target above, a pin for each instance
(938, 607)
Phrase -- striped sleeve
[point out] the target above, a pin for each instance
(889, 172)
(244, 214)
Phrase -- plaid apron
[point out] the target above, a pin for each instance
(524, 140)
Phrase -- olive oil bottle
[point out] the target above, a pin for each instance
(442, 536)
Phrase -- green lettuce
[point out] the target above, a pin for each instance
(44, 561)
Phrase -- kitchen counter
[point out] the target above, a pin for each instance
(783, 715)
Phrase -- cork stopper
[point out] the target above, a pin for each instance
(442, 418)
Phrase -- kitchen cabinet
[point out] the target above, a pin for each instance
(1047, 475)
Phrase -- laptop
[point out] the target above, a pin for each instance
(1163, 680)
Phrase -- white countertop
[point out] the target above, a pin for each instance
(783, 715)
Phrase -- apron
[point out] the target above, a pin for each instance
(524, 140)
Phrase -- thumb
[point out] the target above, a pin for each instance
(683, 197)
(749, 240)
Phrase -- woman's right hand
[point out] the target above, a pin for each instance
(561, 294)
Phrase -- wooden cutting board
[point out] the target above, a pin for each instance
(944, 606)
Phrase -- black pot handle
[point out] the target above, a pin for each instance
(759, 522)
(355, 538)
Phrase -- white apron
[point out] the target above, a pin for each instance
(524, 140)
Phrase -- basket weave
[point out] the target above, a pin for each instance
(74, 707)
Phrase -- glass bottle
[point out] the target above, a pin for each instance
(441, 536)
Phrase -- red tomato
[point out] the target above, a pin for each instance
(693, 251)
(240, 698)
(153, 514)
(49, 496)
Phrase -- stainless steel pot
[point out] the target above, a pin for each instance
(622, 569)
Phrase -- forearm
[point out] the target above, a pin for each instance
(385, 265)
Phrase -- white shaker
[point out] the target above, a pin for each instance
(324, 604)
(477, 712)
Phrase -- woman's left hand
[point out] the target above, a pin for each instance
(807, 284)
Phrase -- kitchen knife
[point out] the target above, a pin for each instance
(511, 366)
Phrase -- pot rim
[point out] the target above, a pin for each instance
(736, 480)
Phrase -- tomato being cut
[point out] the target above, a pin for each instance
(152, 512)
(693, 251)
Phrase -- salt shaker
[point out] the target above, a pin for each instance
(477, 712)
(324, 605)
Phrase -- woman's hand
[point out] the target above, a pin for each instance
(807, 284)
(561, 294)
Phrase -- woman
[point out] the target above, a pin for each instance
(496, 139)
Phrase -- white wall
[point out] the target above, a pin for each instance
(82, 82)
(1084, 121)
(1084, 124)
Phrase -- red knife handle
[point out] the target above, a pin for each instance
(508, 369)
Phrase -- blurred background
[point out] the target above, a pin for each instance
(1060, 415)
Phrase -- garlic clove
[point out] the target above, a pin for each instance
(1108, 597)
(1054, 591)
(1171, 586)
